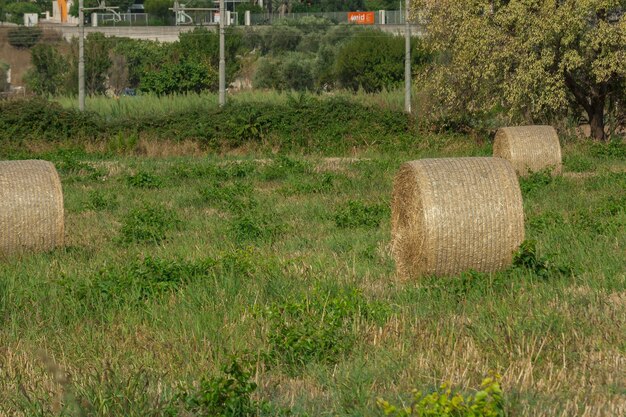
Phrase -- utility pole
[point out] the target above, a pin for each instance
(407, 60)
(81, 57)
(222, 67)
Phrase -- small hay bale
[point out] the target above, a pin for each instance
(31, 207)
(452, 215)
(529, 148)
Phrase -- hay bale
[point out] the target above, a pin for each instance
(529, 148)
(451, 215)
(31, 207)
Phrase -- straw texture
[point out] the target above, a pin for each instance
(31, 207)
(529, 148)
(451, 215)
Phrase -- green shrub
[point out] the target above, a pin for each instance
(149, 223)
(487, 402)
(39, 119)
(180, 77)
(358, 214)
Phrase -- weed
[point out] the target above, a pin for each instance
(144, 180)
(97, 200)
(317, 328)
(227, 395)
(253, 225)
(149, 223)
(527, 257)
(123, 143)
(236, 197)
(615, 148)
(140, 281)
(281, 167)
(315, 185)
(487, 402)
(545, 221)
(239, 170)
(358, 214)
(68, 164)
(535, 181)
(577, 163)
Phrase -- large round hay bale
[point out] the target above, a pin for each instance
(31, 207)
(529, 148)
(452, 215)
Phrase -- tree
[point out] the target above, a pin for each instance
(373, 60)
(97, 64)
(159, 8)
(537, 59)
(47, 75)
(18, 9)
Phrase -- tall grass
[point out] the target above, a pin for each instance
(146, 105)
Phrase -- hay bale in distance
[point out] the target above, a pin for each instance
(452, 215)
(31, 207)
(529, 148)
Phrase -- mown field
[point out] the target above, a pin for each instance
(266, 281)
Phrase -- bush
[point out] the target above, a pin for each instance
(39, 119)
(23, 36)
(188, 76)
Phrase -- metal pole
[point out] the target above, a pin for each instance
(222, 67)
(81, 57)
(407, 60)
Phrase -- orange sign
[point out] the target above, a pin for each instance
(361, 18)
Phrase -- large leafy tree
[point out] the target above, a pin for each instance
(536, 58)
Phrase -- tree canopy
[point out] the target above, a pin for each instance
(538, 59)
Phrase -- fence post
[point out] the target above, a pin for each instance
(382, 18)
(246, 17)
(94, 19)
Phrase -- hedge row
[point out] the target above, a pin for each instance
(316, 124)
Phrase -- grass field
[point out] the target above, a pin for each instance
(176, 267)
